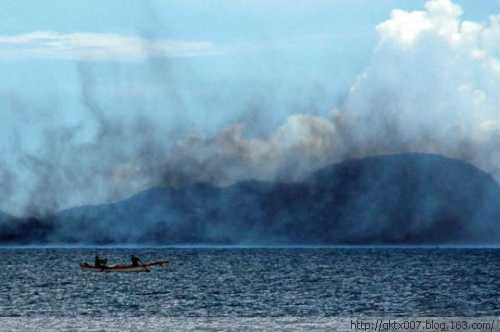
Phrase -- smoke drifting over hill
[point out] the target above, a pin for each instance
(406, 198)
(431, 86)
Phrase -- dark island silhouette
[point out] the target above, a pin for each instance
(392, 199)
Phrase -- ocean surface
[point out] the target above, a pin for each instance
(253, 282)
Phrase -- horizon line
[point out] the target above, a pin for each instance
(252, 246)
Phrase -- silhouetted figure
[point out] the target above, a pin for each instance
(136, 261)
(100, 262)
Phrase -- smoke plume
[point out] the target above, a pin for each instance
(431, 85)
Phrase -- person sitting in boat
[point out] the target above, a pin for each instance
(100, 262)
(136, 261)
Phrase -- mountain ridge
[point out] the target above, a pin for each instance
(391, 199)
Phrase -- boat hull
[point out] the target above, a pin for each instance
(121, 268)
(114, 269)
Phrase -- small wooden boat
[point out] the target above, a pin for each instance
(122, 268)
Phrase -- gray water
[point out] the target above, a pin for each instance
(238, 282)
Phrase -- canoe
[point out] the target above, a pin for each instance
(122, 267)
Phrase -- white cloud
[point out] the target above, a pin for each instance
(97, 46)
(431, 86)
(434, 78)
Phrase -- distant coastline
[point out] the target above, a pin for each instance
(399, 200)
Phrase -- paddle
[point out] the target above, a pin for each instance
(160, 263)
(144, 266)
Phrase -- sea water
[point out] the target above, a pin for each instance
(253, 282)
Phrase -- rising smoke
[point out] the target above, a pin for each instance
(431, 86)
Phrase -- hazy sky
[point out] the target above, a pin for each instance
(82, 82)
(296, 55)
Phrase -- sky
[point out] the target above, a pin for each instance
(99, 100)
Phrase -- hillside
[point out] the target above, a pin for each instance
(405, 198)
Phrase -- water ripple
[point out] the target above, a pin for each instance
(254, 282)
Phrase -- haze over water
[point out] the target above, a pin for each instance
(253, 282)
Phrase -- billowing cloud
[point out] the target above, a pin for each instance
(432, 85)
(294, 149)
(97, 46)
